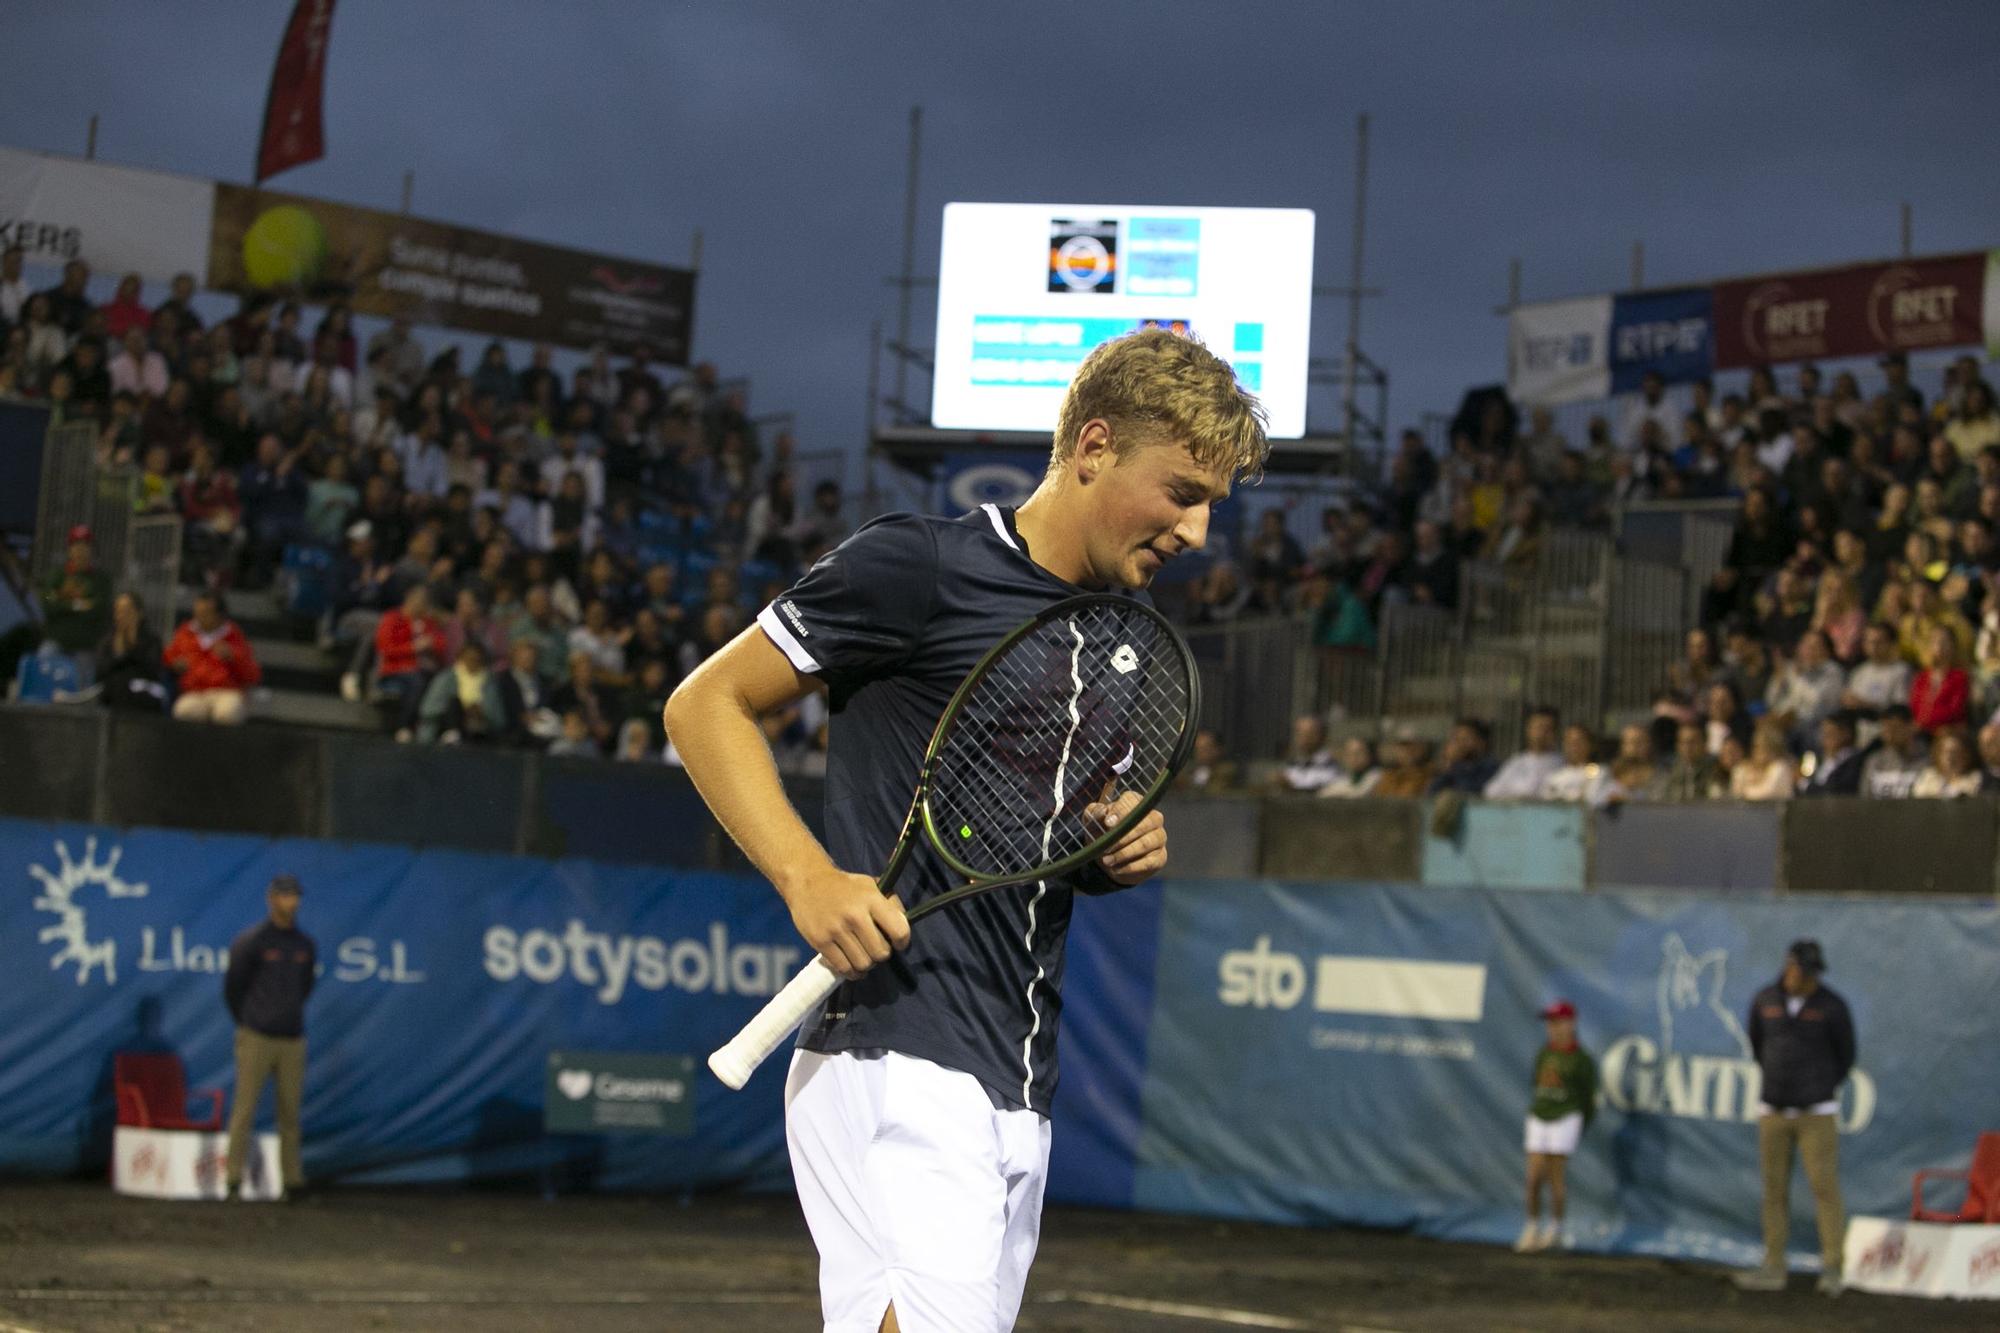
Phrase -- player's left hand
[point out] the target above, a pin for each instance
(1141, 853)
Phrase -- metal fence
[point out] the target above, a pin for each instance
(140, 553)
(1648, 614)
(1692, 534)
(73, 492)
(1256, 677)
(151, 568)
(1579, 629)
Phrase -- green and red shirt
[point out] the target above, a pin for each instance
(1565, 1083)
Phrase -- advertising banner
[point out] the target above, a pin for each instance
(447, 979)
(1344, 1053)
(1861, 310)
(967, 481)
(1892, 1257)
(191, 1164)
(1991, 318)
(1669, 334)
(389, 264)
(117, 219)
(1558, 351)
(618, 1092)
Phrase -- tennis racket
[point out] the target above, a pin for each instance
(1095, 697)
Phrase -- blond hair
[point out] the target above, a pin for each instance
(1156, 386)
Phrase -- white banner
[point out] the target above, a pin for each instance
(119, 220)
(1990, 308)
(1559, 352)
(1899, 1258)
(189, 1164)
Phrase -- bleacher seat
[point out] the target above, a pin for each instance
(304, 581)
(43, 675)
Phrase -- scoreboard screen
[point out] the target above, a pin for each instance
(1025, 291)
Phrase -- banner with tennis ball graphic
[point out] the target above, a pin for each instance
(389, 264)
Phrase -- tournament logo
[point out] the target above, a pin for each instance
(1778, 325)
(1083, 255)
(1904, 310)
(71, 930)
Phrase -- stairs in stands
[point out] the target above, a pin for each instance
(301, 683)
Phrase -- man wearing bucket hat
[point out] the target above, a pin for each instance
(1803, 1038)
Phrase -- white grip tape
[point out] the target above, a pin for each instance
(735, 1062)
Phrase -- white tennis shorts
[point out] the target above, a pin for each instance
(1556, 1138)
(917, 1190)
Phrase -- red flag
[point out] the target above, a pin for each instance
(292, 130)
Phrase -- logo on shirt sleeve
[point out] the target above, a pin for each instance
(792, 614)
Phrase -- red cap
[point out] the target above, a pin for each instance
(79, 533)
(1560, 1009)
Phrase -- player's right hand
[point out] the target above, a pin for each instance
(849, 920)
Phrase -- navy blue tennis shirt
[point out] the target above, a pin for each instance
(893, 620)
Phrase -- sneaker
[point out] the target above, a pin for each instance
(1830, 1284)
(1555, 1236)
(350, 687)
(232, 1194)
(1525, 1242)
(1760, 1279)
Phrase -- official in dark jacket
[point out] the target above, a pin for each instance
(1837, 767)
(1803, 1038)
(271, 971)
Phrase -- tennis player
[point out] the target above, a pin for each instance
(917, 1103)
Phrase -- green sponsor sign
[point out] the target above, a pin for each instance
(618, 1092)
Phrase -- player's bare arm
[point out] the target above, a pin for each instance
(713, 720)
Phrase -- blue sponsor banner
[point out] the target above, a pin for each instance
(1344, 1053)
(967, 481)
(448, 978)
(1671, 334)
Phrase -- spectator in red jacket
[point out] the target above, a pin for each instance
(214, 663)
(407, 653)
(126, 311)
(1941, 693)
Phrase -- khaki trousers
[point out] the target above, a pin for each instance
(259, 1057)
(1816, 1139)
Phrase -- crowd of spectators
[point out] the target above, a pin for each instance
(494, 553)
(506, 555)
(1850, 643)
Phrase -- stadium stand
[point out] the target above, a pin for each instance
(1832, 562)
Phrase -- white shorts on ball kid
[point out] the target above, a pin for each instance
(917, 1190)
(1555, 1138)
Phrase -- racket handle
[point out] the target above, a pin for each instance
(735, 1062)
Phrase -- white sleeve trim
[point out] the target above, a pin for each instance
(780, 633)
(1000, 525)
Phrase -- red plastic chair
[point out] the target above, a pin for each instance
(153, 1093)
(1982, 1187)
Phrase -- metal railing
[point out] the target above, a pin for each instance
(71, 494)
(1577, 628)
(151, 568)
(1648, 615)
(141, 553)
(1256, 677)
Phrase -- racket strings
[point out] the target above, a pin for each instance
(1086, 706)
